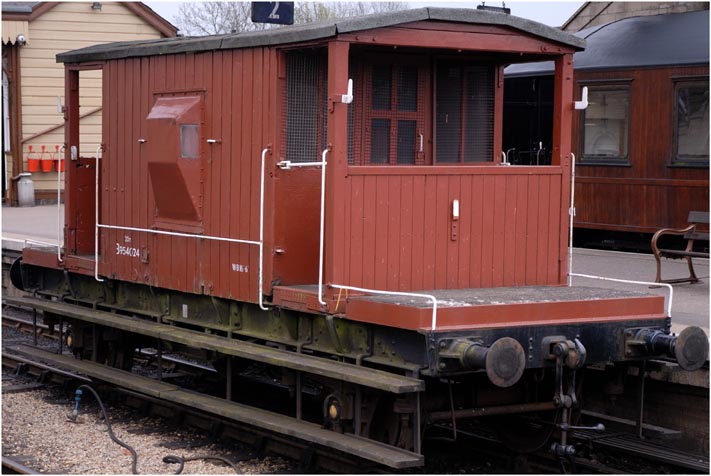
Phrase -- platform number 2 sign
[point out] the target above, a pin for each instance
(281, 13)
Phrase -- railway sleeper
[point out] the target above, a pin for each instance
(362, 447)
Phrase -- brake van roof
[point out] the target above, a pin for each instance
(314, 31)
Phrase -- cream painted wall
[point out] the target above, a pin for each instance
(68, 26)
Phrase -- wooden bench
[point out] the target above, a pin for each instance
(690, 234)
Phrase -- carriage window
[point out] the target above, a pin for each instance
(606, 125)
(189, 141)
(692, 123)
(465, 113)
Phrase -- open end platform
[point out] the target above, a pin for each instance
(477, 308)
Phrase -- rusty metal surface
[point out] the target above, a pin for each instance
(364, 448)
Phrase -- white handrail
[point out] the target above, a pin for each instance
(645, 283)
(59, 205)
(323, 212)
(261, 231)
(571, 212)
(96, 219)
(396, 293)
(259, 243)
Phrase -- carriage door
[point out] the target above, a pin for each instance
(83, 136)
(395, 99)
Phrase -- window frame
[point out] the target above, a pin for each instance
(676, 160)
(607, 85)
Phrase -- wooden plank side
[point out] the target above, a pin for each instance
(511, 218)
(556, 253)
(499, 230)
(519, 241)
(381, 233)
(370, 205)
(532, 229)
(394, 185)
(453, 246)
(258, 143)
(464, 232)
(477, 236)
(235, 157)
(418, 232)
(429, 249)
(405, 252)
(488, 205)
(441, 232)
(543, 212)
(355, 236)
(212, 194)
(246, 180)
(225, 166)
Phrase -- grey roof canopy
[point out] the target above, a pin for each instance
(19, 7)
(657, 40)
(313, 31)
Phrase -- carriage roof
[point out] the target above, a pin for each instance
(315, 31)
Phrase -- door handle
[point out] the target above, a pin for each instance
(422, 142)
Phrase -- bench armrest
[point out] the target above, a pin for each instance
(669, 231)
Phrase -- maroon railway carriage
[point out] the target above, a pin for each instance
(296, 201)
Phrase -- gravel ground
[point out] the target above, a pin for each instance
(35, 425)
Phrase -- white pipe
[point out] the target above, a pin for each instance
(59, 207)
(261, 231)
(645, 283)
(96, 219)
(288, 164)
(583, 103)
(173, 233)
(571, 212)
(323, 211)
(397, 293)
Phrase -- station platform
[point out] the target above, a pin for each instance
(690, 301)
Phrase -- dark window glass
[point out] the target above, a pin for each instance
(189, 141)
(406, 131)
(479, 114)
(382, 87)
(465, 113)
(407, 88)
(606, 124)
(692, 122)
(380, 141)
(449, 112)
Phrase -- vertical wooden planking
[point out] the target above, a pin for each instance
(142, 173)
(499, 230)
(488, 205)
(225, 203)
(465, 229)
(477, 220)
(370, 206)
(381, 232)
(244, 164)
(124, 156)
(532, 229)
(543, 230)
(418, 232)
(429, 256)
(258, 143)
(554, 247)
(357, 210)
(519, 240)
(213, 194)
(394, 185)
(441, 231)
(235, 158)
(453, 246)
(406, 239)
(346, 209)
(512, 217)
(163, 243)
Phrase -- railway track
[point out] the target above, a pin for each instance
(47, 367)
